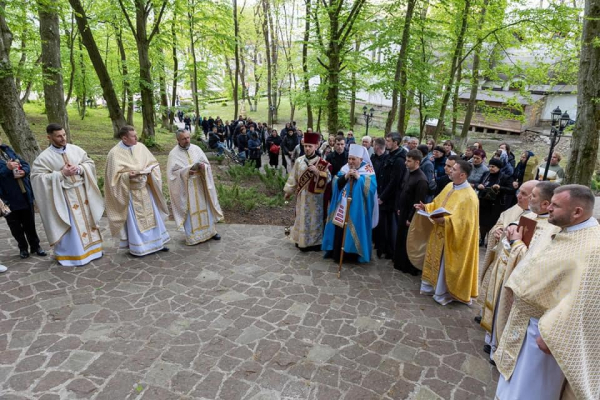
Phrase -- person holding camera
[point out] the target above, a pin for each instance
(16, 192)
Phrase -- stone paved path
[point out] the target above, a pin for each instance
(245, 318)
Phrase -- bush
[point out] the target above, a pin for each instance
(101, 184)
(224, 104)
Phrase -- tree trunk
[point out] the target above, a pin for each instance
(82, 101)
(194, 71)
(236, 32)
(453, 68)
(464, 134)
(164, 100)
(108, 91)
(305, 77)
(175, 72)
(353, 85)
(274, 56)
(584, 145)
(265, 28)
(12, 117)
(455, 98)
(402, 57)
(70, 36)
(127, 93)
(25, 97)
(54, 95)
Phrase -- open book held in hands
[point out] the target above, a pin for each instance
(440, 212)
(148, 170)
(196, 166)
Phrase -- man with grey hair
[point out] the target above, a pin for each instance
(366, 142)
(194, 200)
(413, 142)
(551, 338)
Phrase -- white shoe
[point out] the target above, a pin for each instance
(3, 268)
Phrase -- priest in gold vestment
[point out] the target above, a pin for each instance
(134, 201)
(511, 250)
(451, 255)
(308, 180)
(549, 347)
(64, 182)
(193, 194)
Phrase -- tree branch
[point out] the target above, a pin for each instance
(127, 18)
(321, 62)
(157, 22)
(350, 22)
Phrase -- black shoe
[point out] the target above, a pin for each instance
(165, 249)
(481, 242)
(216, 237)
(487, 348)
(477, 319)
(493, 362)
(39, 252)
(24, 254)
(379, 253)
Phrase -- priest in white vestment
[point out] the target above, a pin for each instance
(64, 182)
(135, 205)
(193, 195)
(549, 345)
(511, 251)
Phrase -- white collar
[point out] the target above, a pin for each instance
(124, 146)
(542, 215)
(463, 185)
(583, 225)
(59, 150)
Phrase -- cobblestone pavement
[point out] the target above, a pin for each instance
(248, 317)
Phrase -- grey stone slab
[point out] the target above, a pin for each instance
(77, 361)
(298, 309)
(161, 373)
(368, 323)
(320, 354)
(231, 296)
(81, 310)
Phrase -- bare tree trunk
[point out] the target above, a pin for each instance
(402, 57)
(353, 85)
(108, 91)
(453, 67)
(309, 113)
(274, 56)
(54, 95)
(175, 72)
(12, 117)
(236, 32)
(464, 135)
(584, 145)
(164, 100)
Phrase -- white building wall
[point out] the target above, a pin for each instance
(566, 102)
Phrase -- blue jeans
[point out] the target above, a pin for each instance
(220, 148)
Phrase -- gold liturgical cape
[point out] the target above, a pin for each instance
(119, 188)
(308, 225)
(195, 194)
(457, 240)
(57, 195)
(494, 246)
(560, 286)
(494, 295)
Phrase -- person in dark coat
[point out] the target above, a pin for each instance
(445, 180)
(254, 151)
(391, 184)
(492, 192)
(439, 162)
(274, 148)
(414, 190)
(288, 144)
(378, 157)
(242, 144)
(428, 170)
(339, 156)
(16, 192)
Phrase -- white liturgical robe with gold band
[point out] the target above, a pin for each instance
(70, 206)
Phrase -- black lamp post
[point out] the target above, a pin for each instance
(368, 117)
(560, 121)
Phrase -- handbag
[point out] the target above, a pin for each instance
(4, 209)
(274, 149)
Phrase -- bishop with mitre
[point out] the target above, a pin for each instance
(356, 180)
(134, 201)
(193, 195)
(63, 178)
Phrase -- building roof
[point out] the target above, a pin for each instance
(502, 97)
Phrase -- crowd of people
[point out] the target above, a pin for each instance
(422, 206)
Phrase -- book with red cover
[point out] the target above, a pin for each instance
(528, 225)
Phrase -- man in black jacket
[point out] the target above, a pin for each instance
(391, 181)
(15, 191)
(339, 156)
(414, 190)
